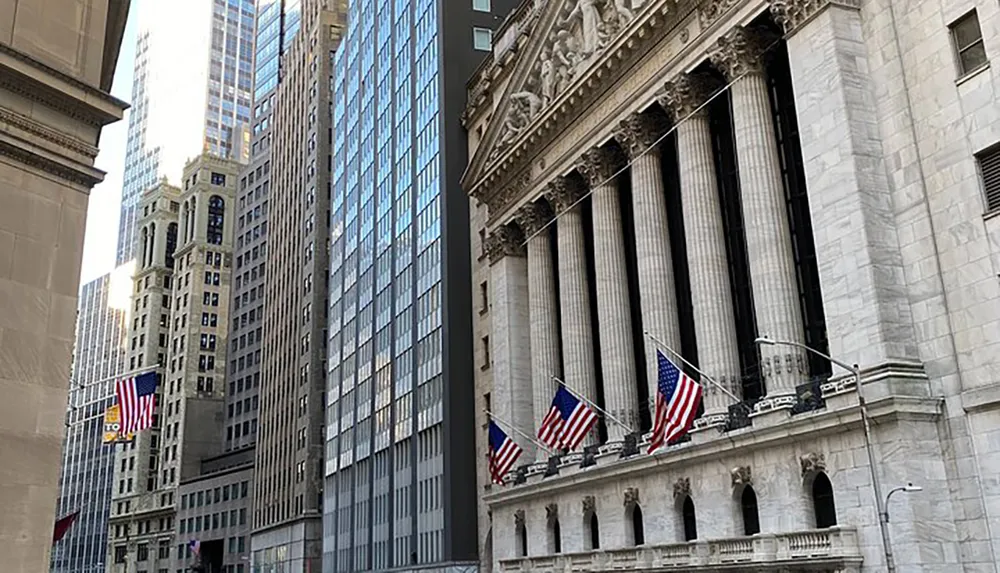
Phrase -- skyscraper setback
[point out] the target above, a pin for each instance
(400, 450)
(191, 94)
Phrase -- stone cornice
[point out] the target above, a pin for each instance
(799, 428)
(77, 174)
(38, 82)
(10, 119)
(793, 14)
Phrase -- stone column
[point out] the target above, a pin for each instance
(533, 219)
(614, 318)
(509, 338)
(711, 295)
(574, 292)
(638, 134)
(741, 56)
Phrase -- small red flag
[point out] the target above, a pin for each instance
(63, 525)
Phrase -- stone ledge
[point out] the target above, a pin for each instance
(837, 417)
(981, 399)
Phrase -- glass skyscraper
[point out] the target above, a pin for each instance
(88, 464)
(400, 456)
(191, 93)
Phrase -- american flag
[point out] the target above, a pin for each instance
(136, 398)
(677, 399)
(503, 453)
(568, 421)
(195, 545)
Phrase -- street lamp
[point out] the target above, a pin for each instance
(883, 517)
(908, 488)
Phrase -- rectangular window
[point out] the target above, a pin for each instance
(968, 43)
(482, 39)
(486, 352)
(481, 5)
(989, 170)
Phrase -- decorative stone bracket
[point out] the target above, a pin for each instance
(812, 463)
(682, 488)
(631, 496)
(741, 476)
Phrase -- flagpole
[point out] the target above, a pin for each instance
(142, 370)
(704, 376)
(519, 432)
(593, 405)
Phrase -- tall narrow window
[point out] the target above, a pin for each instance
(690, 526)
(968, 38)
(594, 531)
(152, 244)
(144, 246)
(822, 494)
(522, 538)
(170, 248)
(748, 503)
(638, 535)
(216, 219)
(555, 535)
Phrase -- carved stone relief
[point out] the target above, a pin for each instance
(812, 463)
(742, 51)
(640, 131)
(533, 217)
(741, 476)
(552, 512)
(599, 164)
(631, 496)
(563, 193)
(589, 504)
(505, 241)
(790, 14)
(682, 488)
(686, 93)
(519, 518)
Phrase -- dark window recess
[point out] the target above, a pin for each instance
(989, 167)
(748, 503)
(595, 532)
(218, 179)
(822, 494)
(969, 45)
(638, 534)
(216, 219)
(690, 525)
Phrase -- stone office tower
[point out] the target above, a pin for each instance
(180, 329)
(56, 67)
(287, 503)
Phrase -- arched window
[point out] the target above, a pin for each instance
(638, 536)
(822, 494)
(216, 219)
(522, 539)
(152, 244)
(748, 503)
(144, 243)
(690, 526)
(593, 538)
(168, 258)
(555, 536)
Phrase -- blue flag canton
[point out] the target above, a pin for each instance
(669, 376)
(145, 384)
(565, 402)
(497, 437)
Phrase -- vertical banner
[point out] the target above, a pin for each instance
(113, 425)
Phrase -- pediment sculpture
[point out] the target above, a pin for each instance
(582, 29)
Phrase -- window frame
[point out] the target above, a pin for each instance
(476, 34)
(961, 50)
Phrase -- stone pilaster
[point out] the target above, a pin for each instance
(509, 340)
(639, 134)
(741, 56)
(711, 297)
(574, 298)
(621, 396)
(534, 219)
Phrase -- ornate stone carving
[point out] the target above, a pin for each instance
(631, 496)
(589, 504)
(519, 518)
(682, 488)
(598, 164)
(741, 476)
(640, 131)
(812, 463)
(742, 51)
(563, 193)
(533, 217)
(790, 14)
(505, 241)
(510, 193)
(685, 93)
(552, 512)
(711, 11)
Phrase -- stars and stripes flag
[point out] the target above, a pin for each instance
(568, 421)
(136, 398)
(677, 399)
(195, 545)
(503, 453)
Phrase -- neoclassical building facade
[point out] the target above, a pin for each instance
(689, 176)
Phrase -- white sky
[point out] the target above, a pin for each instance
(102, 216)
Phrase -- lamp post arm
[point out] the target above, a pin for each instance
(853, 369)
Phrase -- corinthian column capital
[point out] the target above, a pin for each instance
(792, 14)
(682, 95)
(640, 131)
(741, 51)
(598, 164)
(505, 241)
(533, 217)
(563, 193)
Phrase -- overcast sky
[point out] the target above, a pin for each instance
(102, 215)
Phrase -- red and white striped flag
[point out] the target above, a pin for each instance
(677, 399)
(136, 399)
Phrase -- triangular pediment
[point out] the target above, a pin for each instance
(567, 37)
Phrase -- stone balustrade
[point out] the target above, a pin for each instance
(835, 548)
